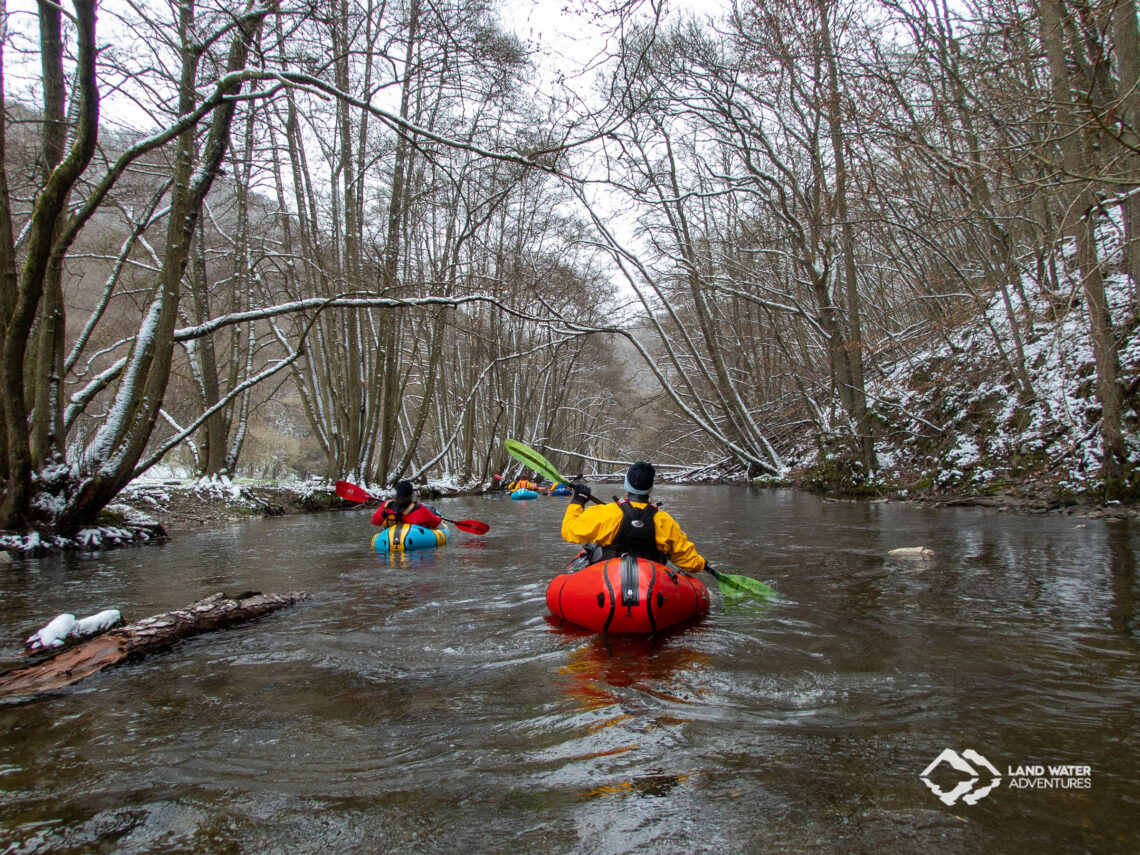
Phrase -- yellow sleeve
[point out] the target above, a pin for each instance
(598, 524)
(672, 541)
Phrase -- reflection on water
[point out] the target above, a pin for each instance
(1122, 554)
(422, 702)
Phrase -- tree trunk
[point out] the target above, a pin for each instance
(1126, 40)
(47, 214)
(212, 439)
(8, 280)
(854, 345)
(355, 410)
(1076, 162)
(47, 366)
(391, 397)
(431, 375)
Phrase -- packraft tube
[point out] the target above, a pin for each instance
(404, 538)
(524, 494)
(562, 490)
(627, 594)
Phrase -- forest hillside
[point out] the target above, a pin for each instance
(954, 422)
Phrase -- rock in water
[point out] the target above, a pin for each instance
(913, 553)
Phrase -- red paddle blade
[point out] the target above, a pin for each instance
(351, 492)
(473, 526)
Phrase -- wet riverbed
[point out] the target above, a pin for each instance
(424, 704)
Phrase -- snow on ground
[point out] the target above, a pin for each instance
(964, 383)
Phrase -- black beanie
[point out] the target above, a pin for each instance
(639, 478)
(404, 490)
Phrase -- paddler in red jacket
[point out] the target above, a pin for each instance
(633, 525)
(403, 509)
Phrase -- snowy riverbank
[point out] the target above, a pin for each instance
(163, 503)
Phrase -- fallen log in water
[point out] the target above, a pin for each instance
(140, 639)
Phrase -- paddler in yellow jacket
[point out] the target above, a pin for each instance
(633, 525)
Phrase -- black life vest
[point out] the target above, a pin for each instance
(637, 534)
(392, 511)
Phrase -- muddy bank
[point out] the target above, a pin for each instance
(179, 505)
(1023, 496)
(1035, 505)
(1006, 504)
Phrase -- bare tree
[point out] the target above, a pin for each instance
(1075, 138)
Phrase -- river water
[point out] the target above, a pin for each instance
(424, 703)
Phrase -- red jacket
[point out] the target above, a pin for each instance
(417, 514)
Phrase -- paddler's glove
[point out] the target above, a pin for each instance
(581, 492)
(708, 567)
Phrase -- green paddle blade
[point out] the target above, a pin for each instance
(527, 456)
(731, 584)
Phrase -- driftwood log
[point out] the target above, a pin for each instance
(139, 639)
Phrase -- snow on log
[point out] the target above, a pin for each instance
(139, 639)
(52, 635)
(63, 627)
(96, 623)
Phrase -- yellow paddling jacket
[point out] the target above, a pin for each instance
(600, 523)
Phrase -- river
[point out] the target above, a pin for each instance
(423, 703)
